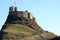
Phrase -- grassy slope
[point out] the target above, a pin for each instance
(17, 30)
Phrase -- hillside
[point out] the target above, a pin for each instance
(14, 30)
(21, 25)
(19, 31)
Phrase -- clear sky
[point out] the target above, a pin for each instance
(46, 12)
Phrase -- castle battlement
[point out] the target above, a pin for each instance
(11, 9)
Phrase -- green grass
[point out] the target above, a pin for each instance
(19, 29)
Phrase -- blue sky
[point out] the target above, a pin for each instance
(46, 12)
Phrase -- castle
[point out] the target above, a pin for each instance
(16, 16)
(23, 14)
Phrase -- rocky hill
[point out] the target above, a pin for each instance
(21, 25)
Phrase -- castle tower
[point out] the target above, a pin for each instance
(11, 9)
(15, 9)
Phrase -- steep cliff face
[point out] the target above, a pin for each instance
(22, 27)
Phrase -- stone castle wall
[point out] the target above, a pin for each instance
(24, 14)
